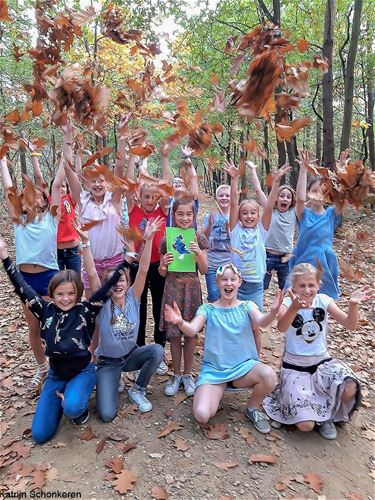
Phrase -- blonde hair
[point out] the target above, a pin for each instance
(222, 186)
(250, 201)
(304, 268)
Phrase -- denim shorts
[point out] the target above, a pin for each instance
(39, 281)
(253, 292)
(213, 292)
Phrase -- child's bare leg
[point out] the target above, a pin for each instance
(206, 401)
(176, 352)
(261, 379)
(306, 426)
(350, 390)
(189, 348)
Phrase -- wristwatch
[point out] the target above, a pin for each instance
(85, 245)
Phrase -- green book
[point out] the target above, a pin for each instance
(178, 243)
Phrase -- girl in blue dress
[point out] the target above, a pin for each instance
(231, 350)
(316, 227)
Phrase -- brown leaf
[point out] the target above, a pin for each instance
(214, 79)
(170, 427)
(348, 272)
(181, 444)
(4, 16)
(116, 436)
(158, 492)
(100, 445)
(130, 234)
(124, 482)
(288, 129)
(216, 431)
(179, 397)
(88, 434)
(257, 457)
(115, 464)
(314, 481)
(142, 150)
(99, 154)
(13, 117)
(246, 434)
(38, 479)
(302, 45)
(127, 447)
(88, 225)
(37, 108)
(226, 465)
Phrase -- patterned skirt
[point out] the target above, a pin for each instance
(185, 290)
(301, 396)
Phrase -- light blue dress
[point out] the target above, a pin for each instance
(229, 348)
(315, 240)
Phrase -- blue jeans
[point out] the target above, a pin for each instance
(145, 358)
(76, 391)
(213, 292)
(253, 292)
(281, 268)
(69, 258)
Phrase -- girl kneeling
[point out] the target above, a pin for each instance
(231, 350)
(314, 388)
(67, 326)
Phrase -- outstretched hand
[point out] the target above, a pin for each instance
(3, 249)
(172, 314)
(305, 160)
(297, 302)
(279, 174)
(231, 169)
(153, 227)
(84, 235)
(361, 295)
(277, 301)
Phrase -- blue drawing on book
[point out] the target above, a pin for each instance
(180, 246)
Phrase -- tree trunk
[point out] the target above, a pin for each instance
(318, 147)
(349, 76)
(327, 86)
(370, 121)
(267, 148)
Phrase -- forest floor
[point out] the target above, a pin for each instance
(164, 454)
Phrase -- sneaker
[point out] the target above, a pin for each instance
(121, 385)
(189, 385)
(162, 368)
(275, 424)
(173, 385)
(327, 430)
(39, 376)
(82, 419)
(138, 397)
(259, 420)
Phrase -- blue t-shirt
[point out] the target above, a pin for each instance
(218, 252)
(118, 339)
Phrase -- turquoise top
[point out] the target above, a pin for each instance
(229, 348)
(36, 242)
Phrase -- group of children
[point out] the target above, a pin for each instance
(237, 250)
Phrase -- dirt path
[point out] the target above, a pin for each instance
(186, 463)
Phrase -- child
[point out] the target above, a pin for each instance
(248, 233)
(231, 349)
(314, 388)
(36, 256)
(67, 326)
(184, 288)
(316, 227)
(118, 324)
(279, 242)
(215, 228)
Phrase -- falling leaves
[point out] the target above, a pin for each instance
(170, 427)
(4, 14)
(288, 129)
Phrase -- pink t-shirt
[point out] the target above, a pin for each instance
(104, 237)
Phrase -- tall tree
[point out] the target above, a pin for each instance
(349, 76)
(327, 86)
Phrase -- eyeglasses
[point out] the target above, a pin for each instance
(221, 270)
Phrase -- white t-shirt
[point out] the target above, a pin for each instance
(307, 335)
(249, 252)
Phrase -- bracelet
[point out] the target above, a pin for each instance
(85, 245)
(35, 154)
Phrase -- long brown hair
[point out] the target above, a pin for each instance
(66, 276)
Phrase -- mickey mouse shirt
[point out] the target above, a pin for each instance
(307, 335)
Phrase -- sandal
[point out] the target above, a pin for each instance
(39, 376)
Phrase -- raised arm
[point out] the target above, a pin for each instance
(73, 180)
(262, 198)
(144, 263)
(302, 183)
(350, 319)
(190, 329)
(267, 212)
(233, 173)
(56, 185)
(7, 183)
(264, 320)
(38, 176)
(88, 259)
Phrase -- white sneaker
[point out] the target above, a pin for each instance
(138, 397)
(162, 368)
(327, 430)
(121, 384)
(189, 384)
(173, 385)
(39, 376)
